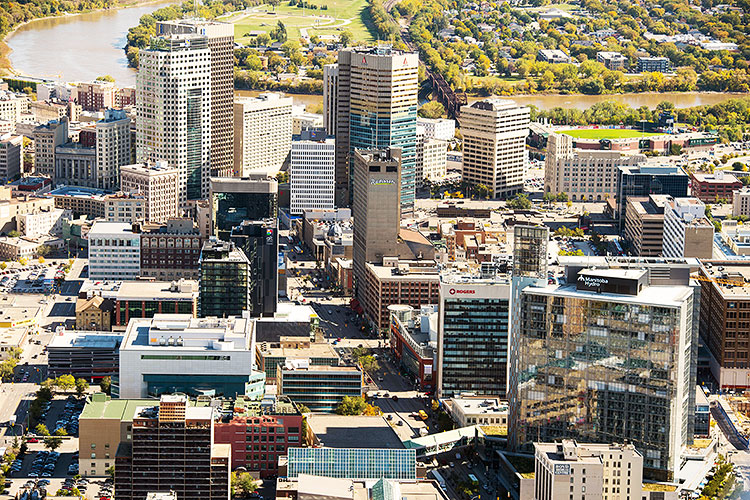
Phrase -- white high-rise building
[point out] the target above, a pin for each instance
(330, 96)
(432, 158)
(494, 133)
(438, 128)
(312, 171)
(262, 133)
(113, 147)
(158, 184)
(173, 105)
(687, 231)
(114, 251)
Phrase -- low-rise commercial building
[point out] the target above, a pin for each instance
(475, 410)
(613, 61)
(81, 201)
(259, 432)
(45, 222)
(606, 471)
(271, 355)
(320, 388)
(171, 251)
(710, 188)
(125, 207)
(88, 355)
(741, 202)
(94, 313)
(413, 336)
(178, 353)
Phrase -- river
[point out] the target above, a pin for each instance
(77, 47)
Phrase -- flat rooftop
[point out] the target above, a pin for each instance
(100, 405)
(109, 228)
(316, 350)
(430, 273)
(722, 178)
(733, 277)
(85, 340)
(480, 405)
(78, 191)
(666, 296)
(188, 333)
(336, 431)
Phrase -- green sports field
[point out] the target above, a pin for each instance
(606, 133)
(341, 15)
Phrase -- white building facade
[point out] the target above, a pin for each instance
(262, 133)
(43, 222)
(443, 129)
(312, 173)
(113, 148)
(173, 102)
(330, 97)
(114, 251)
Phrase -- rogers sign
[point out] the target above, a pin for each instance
(453, 291)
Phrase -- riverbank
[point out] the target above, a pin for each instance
(6, 67)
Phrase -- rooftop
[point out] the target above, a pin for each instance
(311, 350)
(732, 277)
(71, 339)
(104, 228)
(666, 296)
(719, 177)
(335, 431)
(183, 332)
(476, 405)
(100, 405)
(77, 191)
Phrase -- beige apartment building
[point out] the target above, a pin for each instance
(583, 175)
(263, 135)
(644, 224)
(46, 138)
(494, 146)
(158, 183)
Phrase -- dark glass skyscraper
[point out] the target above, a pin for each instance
(259, 241)
(473, 335)
(224, 280)
(234, 200)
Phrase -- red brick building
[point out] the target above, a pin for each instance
(259, 433)
(717, 186)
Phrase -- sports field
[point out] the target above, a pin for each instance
(606, 133)
(341, 15)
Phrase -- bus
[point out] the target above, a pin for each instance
(422, 415)
(439, 478)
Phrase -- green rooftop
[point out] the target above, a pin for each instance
(100, 405)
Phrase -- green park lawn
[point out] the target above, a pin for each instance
(606, 133)
(341, 15)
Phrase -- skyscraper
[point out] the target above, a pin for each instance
(312, 171)
(473, 333)
(113, 148)
(234, 200)
(221, 45)
(263, 135)
(376, 208)
(377, 108)
(259, 241)
(494, 133)
(174, 109)
(330, 97)
(610, 354)
(224, 280)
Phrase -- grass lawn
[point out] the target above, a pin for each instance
(341, 15)
(606, 133)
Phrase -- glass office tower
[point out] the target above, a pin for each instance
(234, 200)
(610, 357)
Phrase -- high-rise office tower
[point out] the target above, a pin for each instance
(224, 280)
(233, 200)
(312, 166)
(259, 241)
(46, 138)
(330, 97)
(377, 108)
(113, 148)
(610, 354)
(172, 449)
(494, 133)
(263, 133)
(376, 208)
(221, 45)
(644, 180)
(473, 333)
(174, 109)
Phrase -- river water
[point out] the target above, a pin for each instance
(77, 47)
(84, 46)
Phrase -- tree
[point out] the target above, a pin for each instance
(14, 234)
(105, 384)
(110, 471)
(345, 38)
(53, 442)
(60, 431)
(264, 39)
(279, 32)
(43, 250)
(369, 364)
(432, 109)
(242, 484)
(105, 78)
(3, 266)
(520, 202)
(65, 382)
(356, 406)
(41, 430)
(81, 386)
(738, 166)
(482, 191)
(303, 408)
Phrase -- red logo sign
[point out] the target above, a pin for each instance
(453, 291)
